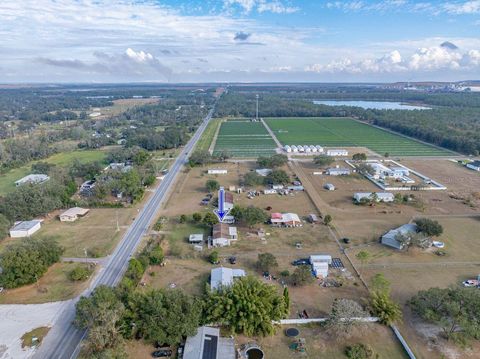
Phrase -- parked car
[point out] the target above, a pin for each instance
(162, 353)
(471, 283)
(232, 260)
(301, 262)
(438, 244)
(346, 240)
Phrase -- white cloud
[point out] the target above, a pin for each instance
(274, 6)
(435, 8)
(468, 7)
(423, 60)
(130, 63)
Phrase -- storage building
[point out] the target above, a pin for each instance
(337, 152)
(320, 263)
(32, 179)
(25, 228)
(391, 237)
(217, 171)
(195, 238)
(72, 214)
(224, 277)
(285, 219)
(381, 196)
(338, 171)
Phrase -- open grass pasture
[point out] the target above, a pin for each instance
(207, 137)
(346, 132)
(7, 180)
(243, 138)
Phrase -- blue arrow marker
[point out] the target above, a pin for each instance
(221, 212)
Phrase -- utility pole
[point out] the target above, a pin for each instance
(256, 112)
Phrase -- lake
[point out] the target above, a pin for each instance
(377, 105)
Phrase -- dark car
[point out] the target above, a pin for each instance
(232, 260)
(346, 240)
(301, 262)
(162, 353)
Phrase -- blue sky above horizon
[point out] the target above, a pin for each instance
(238, 40)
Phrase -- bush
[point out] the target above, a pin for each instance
(213, 257)
(252, 179)
(212, 185)
(80, 273)
(277, 177)
(197, 217)
(359, 351)
(266, 262)
(323, 160)
(4, 226)
(302, 275)
(429, 227)
(156, 255)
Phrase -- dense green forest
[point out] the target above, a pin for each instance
(453, 122)
(33, 127)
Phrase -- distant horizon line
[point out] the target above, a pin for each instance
(226, 83)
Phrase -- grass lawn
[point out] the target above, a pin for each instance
(322, 345)
(7, 180)
(243, 138)
(38, 333)
(53, 286)
(332, 131)
(207, 137)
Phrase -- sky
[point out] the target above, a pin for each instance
(96, 41)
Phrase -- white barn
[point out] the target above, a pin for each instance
(25, 228)
(217, 171)
(381, 196)
(337, 152)
(320, 263)
(32, 179)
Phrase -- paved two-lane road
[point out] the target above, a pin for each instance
(63, 340)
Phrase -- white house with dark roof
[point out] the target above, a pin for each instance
(223, 234)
